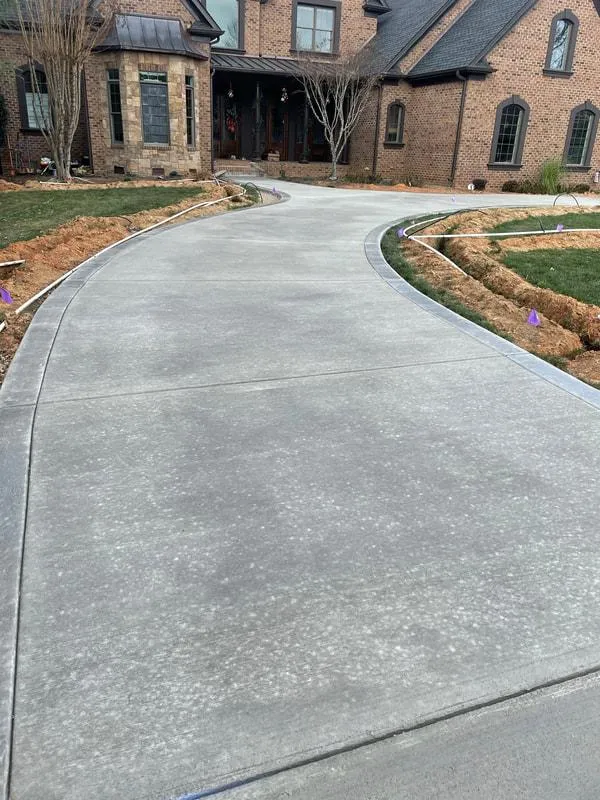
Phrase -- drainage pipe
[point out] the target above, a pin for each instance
(500, 235)
(461, 114)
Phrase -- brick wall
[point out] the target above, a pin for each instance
(134, 156)
(268, 27)
(518, 61)
(30, 146)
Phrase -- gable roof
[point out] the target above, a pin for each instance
(469, 40)
(403, 25)
(151, 35)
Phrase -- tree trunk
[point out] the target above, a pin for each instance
(333, 176)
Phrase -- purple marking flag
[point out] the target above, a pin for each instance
(453, 199)
(533, 318)
(5, 295)
(401, 232)
(560, 227)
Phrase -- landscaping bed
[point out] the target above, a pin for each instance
(557, 274)
(54, 228)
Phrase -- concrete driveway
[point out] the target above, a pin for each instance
(275, 509)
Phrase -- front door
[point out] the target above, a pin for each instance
(277, 130)
(226, 127)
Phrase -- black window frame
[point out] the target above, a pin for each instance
(517, 161)
(190, 111)
(165, 83)
(399, 141)
(568, 16)
(587, 160)
(328, 4)
(23, 76)
(115, 116)
(241, 30)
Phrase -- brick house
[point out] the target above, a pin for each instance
(469, 88)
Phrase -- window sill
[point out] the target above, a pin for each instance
(507, 167)
(394, 145)
(156, 146)
(233, 50)
(577, 167)
(333, 54)
(557, 73)
(117, 145)
(32, 131)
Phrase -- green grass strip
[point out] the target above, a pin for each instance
(26, 214)
(573, 272)
(571, 219)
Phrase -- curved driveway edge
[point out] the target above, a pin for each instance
(529, 361)
(276, 509)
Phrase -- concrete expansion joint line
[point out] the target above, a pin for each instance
(369, 741)
(276, 379)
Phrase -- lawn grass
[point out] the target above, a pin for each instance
(26, 214)
(571, 219)
(392, 253)
(574, 272)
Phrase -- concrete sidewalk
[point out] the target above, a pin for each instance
(276, 508)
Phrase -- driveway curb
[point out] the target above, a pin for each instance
(527, 360)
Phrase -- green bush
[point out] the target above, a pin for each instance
(510, 186)
(579, 188)
(550, 176)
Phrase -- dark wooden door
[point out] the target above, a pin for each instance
(226, 128)
(277, 130)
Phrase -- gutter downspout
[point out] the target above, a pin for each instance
(212, 111)
(377, 126)
(461, 113)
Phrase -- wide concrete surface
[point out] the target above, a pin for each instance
(275, 508)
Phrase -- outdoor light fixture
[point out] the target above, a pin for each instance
(284, 95)
(230, 92)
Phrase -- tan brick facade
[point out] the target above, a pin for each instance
(429, 152)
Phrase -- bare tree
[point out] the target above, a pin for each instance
(337, 93)
(59, 36)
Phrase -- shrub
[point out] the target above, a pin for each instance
(510, 186)
(479, 184)
(550, 175)
(579, 188)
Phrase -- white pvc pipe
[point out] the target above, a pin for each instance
(437, 252)
(46, 289)
(423, 222)
(497, 235)
(12, 263)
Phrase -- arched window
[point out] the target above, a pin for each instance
(34, 104)
(509, 135)
(581, 136)
(561, 46)
(394, 129)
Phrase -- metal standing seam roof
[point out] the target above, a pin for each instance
(267, 66)
(150, 34)
(472, 36)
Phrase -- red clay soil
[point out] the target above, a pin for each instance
(50, 256)
(504, 298)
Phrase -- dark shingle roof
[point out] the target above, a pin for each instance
(229, 62)
(472, 36)
(151, 35)
(402, 26)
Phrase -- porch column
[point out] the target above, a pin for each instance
(304, 159)
(257, 124)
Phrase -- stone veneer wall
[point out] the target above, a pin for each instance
(134, 156)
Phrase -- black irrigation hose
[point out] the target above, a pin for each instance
(565, 194)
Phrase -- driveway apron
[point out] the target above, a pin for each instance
(276, 509)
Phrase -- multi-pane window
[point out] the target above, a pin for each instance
(155, 107)
(315, 26)
(114, 106)
(226, 13)
(189, 110)
(559, 55)
(578, 149)
(395, 124)
(509, 134)
(37, 105)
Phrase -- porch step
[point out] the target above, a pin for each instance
(236, 168)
